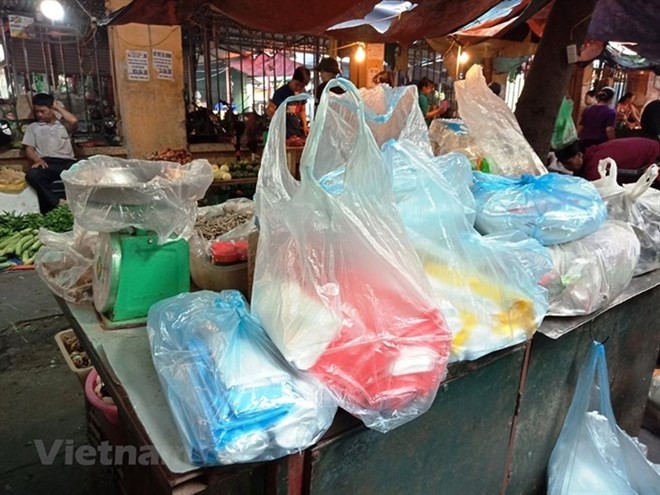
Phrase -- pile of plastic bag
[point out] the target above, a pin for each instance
(639, 206)
(337, 282)
(233, 398)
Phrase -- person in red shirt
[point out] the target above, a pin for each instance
(632, 156)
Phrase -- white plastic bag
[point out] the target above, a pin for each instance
(495, 128)
(636, 204)
(337, 283)
(593, 455)
(452, 135)
(107, 194)
(589, 273)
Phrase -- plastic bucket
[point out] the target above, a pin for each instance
(109, 410)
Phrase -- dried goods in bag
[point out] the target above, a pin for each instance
(593, 454)
(337, 283)
(591, 272)
(552, 208)
(232, 395)
(636, 204)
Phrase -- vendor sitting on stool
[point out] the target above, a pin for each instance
(48, 146)
(632, 156)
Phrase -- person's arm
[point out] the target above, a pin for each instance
(610, 124)
(635, 114)
(70, 120)
(270, 109)
(34, 157)
(303, 119)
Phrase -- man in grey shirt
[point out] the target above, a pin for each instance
(48, 146)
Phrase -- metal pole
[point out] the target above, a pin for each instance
(207, 69)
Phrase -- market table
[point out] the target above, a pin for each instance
(491, 428)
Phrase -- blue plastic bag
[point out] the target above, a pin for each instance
(233, 397)
(592, 454)
(551, 208)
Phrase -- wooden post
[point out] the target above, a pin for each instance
(548, 78)
(148, 75)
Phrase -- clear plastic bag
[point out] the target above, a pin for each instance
(65, 262)
(495, 128)
(452, 135)
(107, 194)
(593, 454)
(636, 204)
(487, 287)
(589, 273)
(233, 397)
(337, 283)
(209, 215)
(552, 208)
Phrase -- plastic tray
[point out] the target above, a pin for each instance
(80, 372)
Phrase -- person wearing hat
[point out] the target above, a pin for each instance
(632, 156)
(328, 69)
(597, 123)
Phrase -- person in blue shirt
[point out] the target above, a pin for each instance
(296, 118)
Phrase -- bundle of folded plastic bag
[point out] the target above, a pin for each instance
(487, 287)
(337, 283)
(636, 204)
(590, 273)
(552, 208)
(233, 397)
(593, 454)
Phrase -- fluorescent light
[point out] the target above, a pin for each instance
(52, 9)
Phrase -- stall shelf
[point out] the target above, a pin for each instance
(490, 430)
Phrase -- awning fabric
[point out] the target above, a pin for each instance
(276, 65)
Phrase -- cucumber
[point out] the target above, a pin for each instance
(7, 264)
(20, 245)
(9, 239)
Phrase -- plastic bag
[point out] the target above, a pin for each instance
(337, 283)
(636, 204)
(65, 262)
(452, 135)
(108, 194)
(233, 398)
(593, 454)
(495, 128)
(589, 273)
(487, 287)
(552, 208)
(564, 132)
(218, 218)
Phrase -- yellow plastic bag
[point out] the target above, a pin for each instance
(12, 180)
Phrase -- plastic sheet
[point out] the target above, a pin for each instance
(593, 454)
(590, 273)
(65, 263)
(233, 398)
(552, 208)
(452, 135)
(108, 194)
(636, 204)
(337, 283)
(495, 128)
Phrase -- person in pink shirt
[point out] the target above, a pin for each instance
(632, 156)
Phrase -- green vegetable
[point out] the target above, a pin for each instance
(58, 220)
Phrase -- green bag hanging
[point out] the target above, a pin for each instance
(565, 132)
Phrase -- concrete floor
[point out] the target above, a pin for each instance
(43, 400)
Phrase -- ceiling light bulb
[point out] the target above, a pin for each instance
(52, 9)
(463, 59)
(360, 54)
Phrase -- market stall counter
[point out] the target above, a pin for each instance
(491, 428)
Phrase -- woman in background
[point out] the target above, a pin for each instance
(597, 122)
(627, 116)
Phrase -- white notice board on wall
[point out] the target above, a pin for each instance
(137, 64)
(162, 62)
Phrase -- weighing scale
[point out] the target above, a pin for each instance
(132, 272)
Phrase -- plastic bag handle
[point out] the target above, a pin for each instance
(643, 183)
(607, 168)
(274, 168)
(369, 177)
